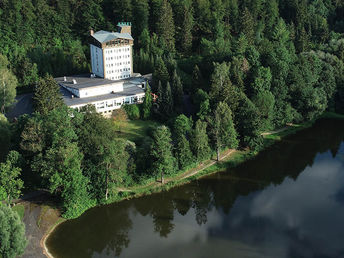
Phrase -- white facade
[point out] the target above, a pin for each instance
(97, 61)
(106, 107)
(118, 62)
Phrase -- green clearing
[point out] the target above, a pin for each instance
(20, 209)
(135, 130)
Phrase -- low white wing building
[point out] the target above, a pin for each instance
(112, 82)
(106, 95)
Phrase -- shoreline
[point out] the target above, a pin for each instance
(45, 237)
(230, 159)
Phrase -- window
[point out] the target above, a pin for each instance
(109, 104)
(100, 105)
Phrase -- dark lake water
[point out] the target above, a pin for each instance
(287, 202)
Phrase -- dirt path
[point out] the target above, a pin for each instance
(277, 131)
(187, 174)
(200, 168)
(39, 218)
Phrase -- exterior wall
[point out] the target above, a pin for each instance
(101, 90)
(75, 92)
(106, 107)
(118, 62)
(97, 60)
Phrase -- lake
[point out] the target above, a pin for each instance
(286, 202)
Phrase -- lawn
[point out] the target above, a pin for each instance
(135, 130)
(20, 209)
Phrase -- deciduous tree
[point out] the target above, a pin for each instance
(12, 233)
(10, 182)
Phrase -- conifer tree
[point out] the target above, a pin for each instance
(223, 130)
(140, 16)
(177, 89)
(183, 152)
(165, 26)
(47, 95)
(161, 152)
(160, 94)
(200, 141)
(247, 25)
(197, 79)
(147, 103)
(186, 30)
(167, 101)
(160, 72)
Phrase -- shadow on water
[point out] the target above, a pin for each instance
(252, 210)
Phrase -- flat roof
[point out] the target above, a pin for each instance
(129, 90)
(84, 81)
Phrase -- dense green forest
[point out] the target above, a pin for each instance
(247, 66)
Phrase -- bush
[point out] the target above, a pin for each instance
(133, 111)
(12, 233)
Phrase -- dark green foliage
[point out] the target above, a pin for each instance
(5, 136)
(10, 183)
(265, 102)
(161, 153)
(165, 26)
(177, 91)
(133, 111)
(12, 233)
(199, 141)
(183, 152)
(160, 73)
(249, 124)
(147, 103)
(261, 63)
(47, 95)
(8, 84)
(222, 128)
(166, 106)
(182, 126)
(197, 79)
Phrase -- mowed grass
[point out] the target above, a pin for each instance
(20, 209)
(135, 130)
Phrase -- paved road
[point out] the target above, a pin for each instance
(22, 106)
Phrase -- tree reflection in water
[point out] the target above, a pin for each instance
(108, 231)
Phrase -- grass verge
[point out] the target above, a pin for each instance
(20, 209)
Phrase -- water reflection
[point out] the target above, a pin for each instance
(287, 202)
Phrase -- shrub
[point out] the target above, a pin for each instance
(133, 111)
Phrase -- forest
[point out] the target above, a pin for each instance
(246, 67)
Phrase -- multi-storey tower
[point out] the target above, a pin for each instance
(112, 52)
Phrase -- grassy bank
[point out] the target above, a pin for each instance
(231, 161)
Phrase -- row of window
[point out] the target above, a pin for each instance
(115, 103)
(120, 77)
(118, 70)
(117, 41)
(119, 50)
(116, 64)
(117, 57)
(119, 102)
